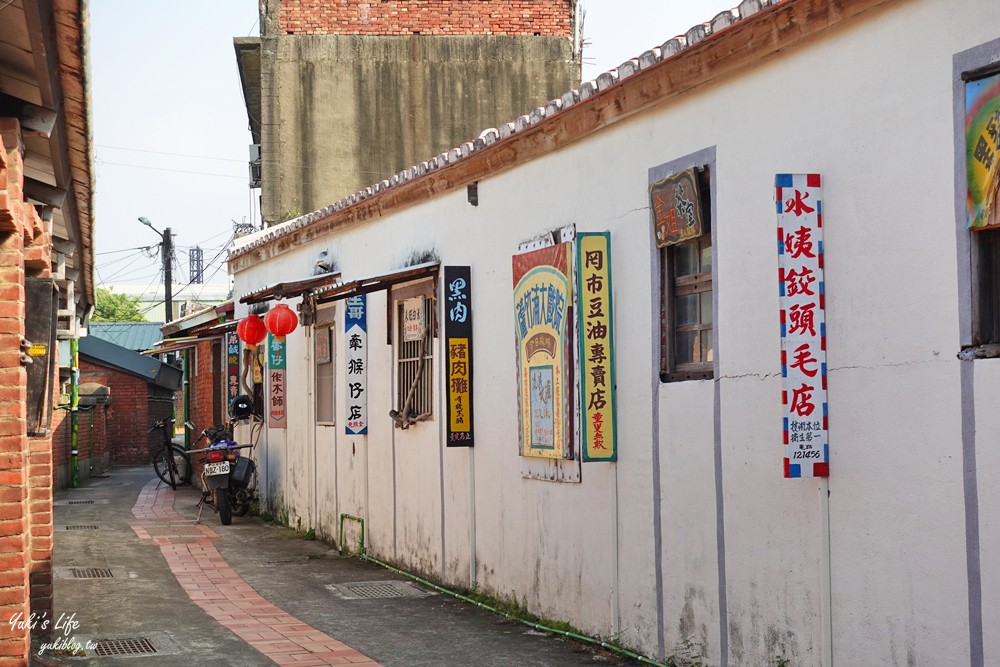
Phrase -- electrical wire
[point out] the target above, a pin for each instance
(176, 171)
(152, 152)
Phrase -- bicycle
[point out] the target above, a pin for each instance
(166, 459)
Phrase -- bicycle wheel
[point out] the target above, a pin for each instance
(222, 504)
(166, 467)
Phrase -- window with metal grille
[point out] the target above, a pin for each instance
(686, 300)
(415, 326)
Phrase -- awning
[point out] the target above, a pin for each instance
(291, 289)
(376, 283)
(174, 346)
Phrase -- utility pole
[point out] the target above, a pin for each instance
(168, 262)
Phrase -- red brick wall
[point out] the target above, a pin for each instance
(201, 385)
(129, 414)
(23, 498)
(428, 17)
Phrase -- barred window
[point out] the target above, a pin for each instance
(414, 308)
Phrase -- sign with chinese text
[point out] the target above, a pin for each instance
(413, 319)
(458, 342)
(597, 352)
(676, 207)
(803, 325)
(322, 345)
(356, 339)
(232, 365)
(982, 150)
(277, 415)
(542, 299)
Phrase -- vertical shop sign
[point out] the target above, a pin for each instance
(232, 365)
(803, 325)
(982, 151)
(277, 415)
(356, 329)
(542, 298)
(458, 341)
(597, 350)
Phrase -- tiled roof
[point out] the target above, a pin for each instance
(490, 136)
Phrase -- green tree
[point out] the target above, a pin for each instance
(113, 307)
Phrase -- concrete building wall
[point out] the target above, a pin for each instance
(341, 112)
(351, 93)
(694, 536)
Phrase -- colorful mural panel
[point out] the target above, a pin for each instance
(542, 305)
(982, 149)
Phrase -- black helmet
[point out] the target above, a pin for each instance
(241, 407)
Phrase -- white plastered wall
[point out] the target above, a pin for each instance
(869, 107)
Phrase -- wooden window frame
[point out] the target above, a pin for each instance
(672, 287)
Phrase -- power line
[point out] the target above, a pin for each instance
(141, 150)
(176, 171)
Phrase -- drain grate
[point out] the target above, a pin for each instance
(81, 527)
(133, 646)
(80, 502)
(91, 572)
(367, 590)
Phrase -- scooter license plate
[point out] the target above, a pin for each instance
(217, 468)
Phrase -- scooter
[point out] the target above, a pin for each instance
(228, 479)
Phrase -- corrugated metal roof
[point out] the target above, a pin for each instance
(135, 336)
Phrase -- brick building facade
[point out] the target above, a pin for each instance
(46, 252)
(550, 18)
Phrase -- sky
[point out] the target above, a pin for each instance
(170, 127)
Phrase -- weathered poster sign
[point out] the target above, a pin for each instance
(803, 325)
(413, 319)
(676, 208)
(982, 150)
(277, 413)
(458, 341)
(322, 346)
(597, 351)
(356, 368)
(542, 298)
(232, 365)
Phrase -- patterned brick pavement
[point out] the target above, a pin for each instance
(216, 588)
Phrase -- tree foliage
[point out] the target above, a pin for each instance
(112, 307)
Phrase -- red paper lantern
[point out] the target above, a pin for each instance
(281, 321)
(251, 330)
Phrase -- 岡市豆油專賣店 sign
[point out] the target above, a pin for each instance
(277, 413)
(597, 351)
(356, 339)
(458, 352)
(803, 325)
(676, 208)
